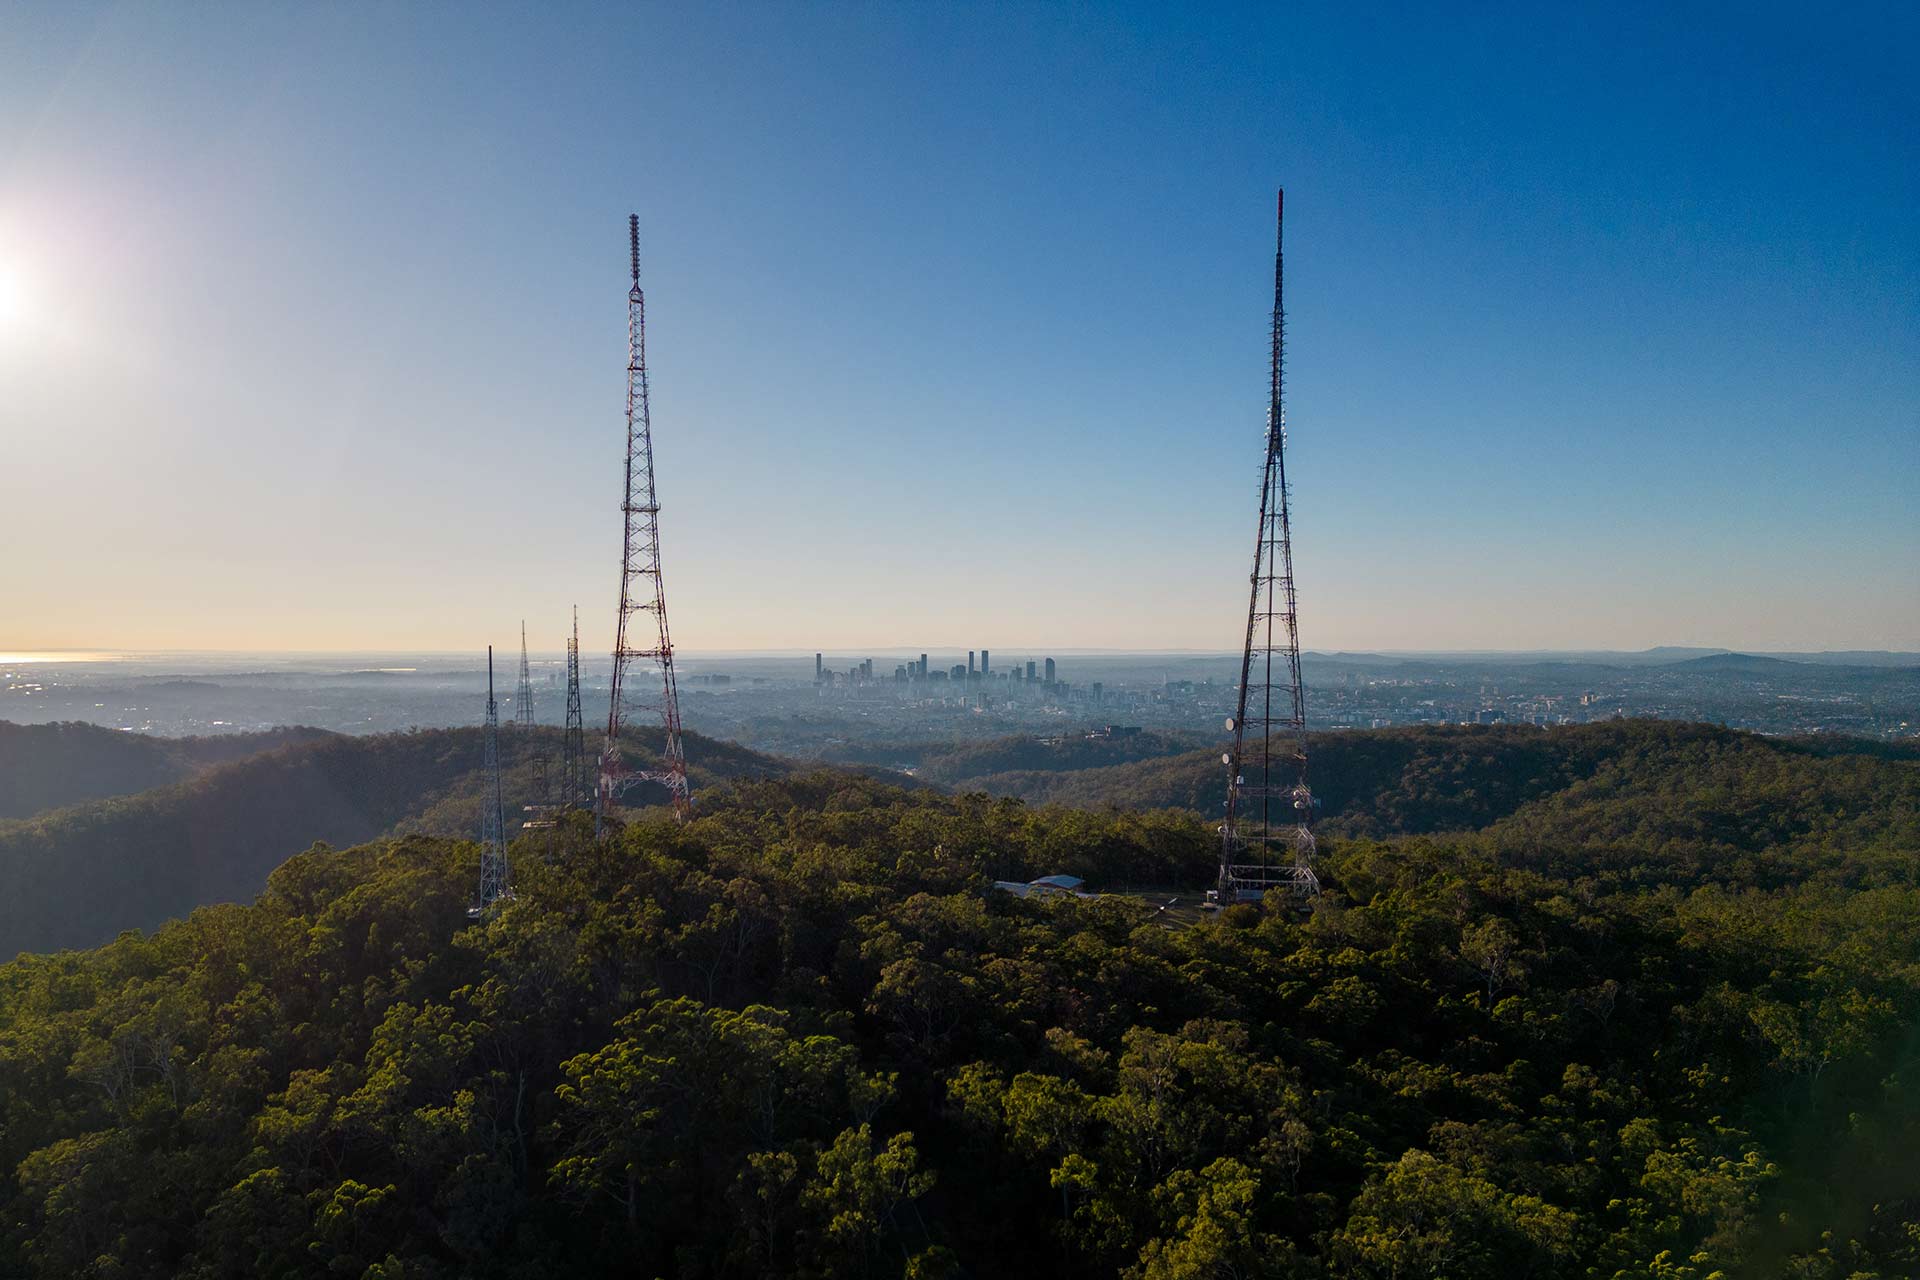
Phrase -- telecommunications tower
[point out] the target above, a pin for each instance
(539, 814)
(1267, 839)
(523, 718)
(494, 884)
(523, 696)
(641, 640)
(573, 750)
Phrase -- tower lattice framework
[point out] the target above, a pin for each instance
(1267, 839)
(523, 694)
(573, 750)
(523, 719)
(495, 881)
(642, 638)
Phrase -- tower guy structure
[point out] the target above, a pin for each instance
(1267, 839)
(495, 883)
(642, 639)
(573, 749)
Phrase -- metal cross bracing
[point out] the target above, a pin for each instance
(523, 695)
(495, 880)
(539, 814)
(1267, 839)
(523, 718)
(573, 750)
(642, 639)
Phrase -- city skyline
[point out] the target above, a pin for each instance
(1554, 385)
(890, 652)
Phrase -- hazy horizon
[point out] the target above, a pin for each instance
(98, 653)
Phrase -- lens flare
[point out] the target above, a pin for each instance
(13, 297)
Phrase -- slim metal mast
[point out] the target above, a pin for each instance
(1267, 839)
(523, 718)
(642, 591)
(494, 880)
(523, 696)
(573, 751)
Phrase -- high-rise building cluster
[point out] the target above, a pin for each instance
(974, 676)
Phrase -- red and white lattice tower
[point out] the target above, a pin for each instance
(643, 684)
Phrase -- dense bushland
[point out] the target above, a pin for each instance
(800, 1037)
(1442, 778)
(79, 875)
(965, 765)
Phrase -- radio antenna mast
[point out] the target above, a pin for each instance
(639, 641)
(1267, 839)
(573, 750)
(494, 881)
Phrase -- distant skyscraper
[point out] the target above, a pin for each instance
(818, 669)
(1029, 670)
(985, 664)
(1049, 670)
(969, 662)
(923, 666)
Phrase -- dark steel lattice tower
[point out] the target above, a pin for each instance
(523, 695)
(642, 591)
(1267, 840)
(523, 719)
(573, 751)
(494, 881)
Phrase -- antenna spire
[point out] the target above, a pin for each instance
(1267, 839)
(523, 693)
(494, 883)
(642, 591)
(573, 751)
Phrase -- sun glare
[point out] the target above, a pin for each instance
(13, 297)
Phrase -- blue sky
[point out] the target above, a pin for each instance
(1604, 323)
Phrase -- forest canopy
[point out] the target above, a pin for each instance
(800, 1036)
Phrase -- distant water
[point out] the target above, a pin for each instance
(35, 657)
(188, 693)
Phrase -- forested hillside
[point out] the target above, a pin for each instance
(1466, 777)
(79, 875)
(962, 765)
(49, 766)
(799, 1037)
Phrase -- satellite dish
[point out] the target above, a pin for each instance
(1226, 757)
(1229, 724)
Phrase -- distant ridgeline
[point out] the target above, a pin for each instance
(78, 875)
(1468, 777)
(1656, 1018)
(47, 766)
